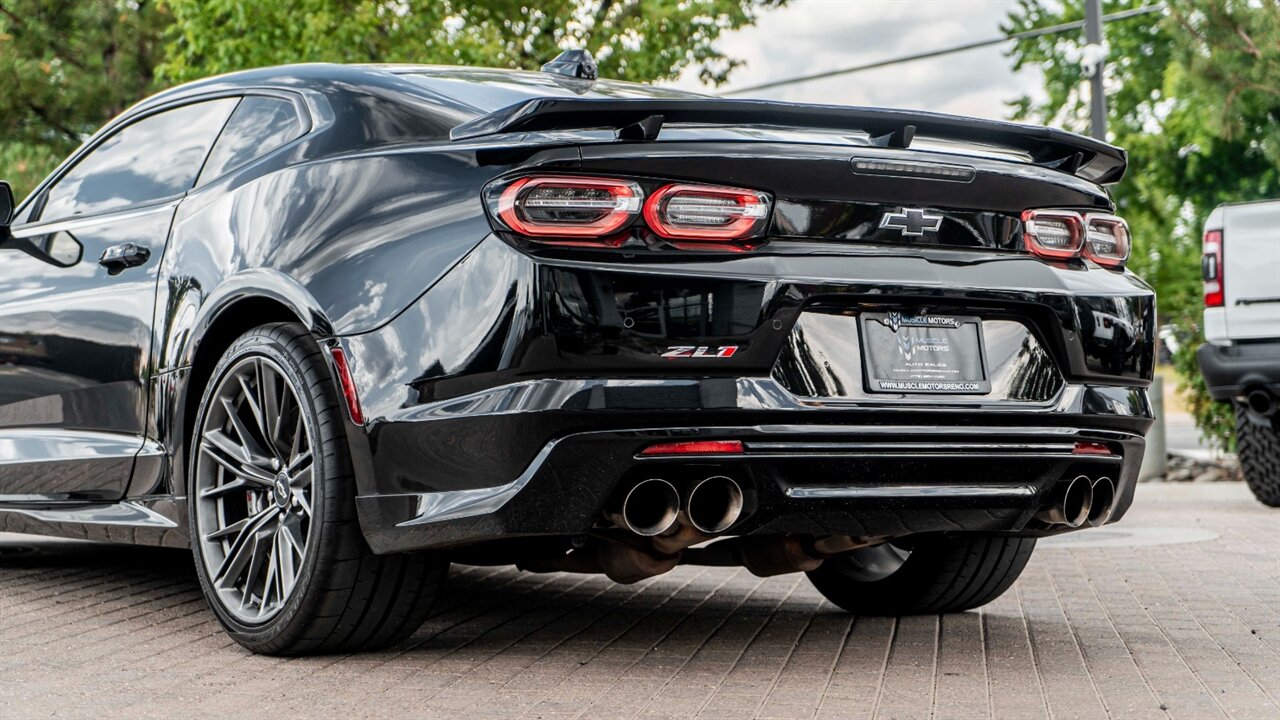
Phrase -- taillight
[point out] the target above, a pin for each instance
(572, 207)
(1211, 269)
(706, 212)
(1055, 234)
(1106, 239)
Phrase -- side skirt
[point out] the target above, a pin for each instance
(158, 521)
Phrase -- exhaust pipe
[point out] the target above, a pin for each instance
(714, 504)
(1070, 503)
(1261, 402)
(1104, 501)
(649, 508)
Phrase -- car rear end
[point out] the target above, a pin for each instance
(787, 332)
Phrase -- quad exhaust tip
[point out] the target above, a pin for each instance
(1070, 504)
(649, 508)
(714, 504)
(1104, 501)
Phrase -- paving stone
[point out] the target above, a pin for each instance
(1099, 626)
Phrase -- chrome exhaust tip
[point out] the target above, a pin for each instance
(649, 508)
(1070, 503)
(1104, 501)
(714, 504)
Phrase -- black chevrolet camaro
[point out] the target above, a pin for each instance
(334, 327)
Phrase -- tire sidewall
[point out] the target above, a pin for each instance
(260, 342)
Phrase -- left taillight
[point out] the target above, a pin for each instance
(569, 207)
(706, 212)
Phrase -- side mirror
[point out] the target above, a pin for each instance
(6, 209)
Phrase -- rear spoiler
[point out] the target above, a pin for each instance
(640, 119)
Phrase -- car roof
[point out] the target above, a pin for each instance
(480, 90)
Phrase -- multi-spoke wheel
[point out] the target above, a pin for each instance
(939, 574)
(271, 505)
(253, 489)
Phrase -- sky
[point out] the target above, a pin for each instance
(809, 36)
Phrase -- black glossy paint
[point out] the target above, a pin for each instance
(483, 359)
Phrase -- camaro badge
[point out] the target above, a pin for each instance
(911, 222)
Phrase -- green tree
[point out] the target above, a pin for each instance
(1194, 94)
(68, 66)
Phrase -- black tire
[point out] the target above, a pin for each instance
(344, 597)
(942, 574)
(1258, 447)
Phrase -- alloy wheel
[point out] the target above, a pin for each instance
(254, 480)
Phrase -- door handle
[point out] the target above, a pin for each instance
(125, 255)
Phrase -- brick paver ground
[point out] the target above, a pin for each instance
(1119, 622)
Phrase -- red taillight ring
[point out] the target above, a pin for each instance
(1120, 232)
(1072, 220)
(627, 197)
(752, 210)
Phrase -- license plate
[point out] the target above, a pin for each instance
(904, 353)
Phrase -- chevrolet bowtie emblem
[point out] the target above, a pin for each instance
(912, 222)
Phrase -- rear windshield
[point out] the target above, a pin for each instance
(489, 90)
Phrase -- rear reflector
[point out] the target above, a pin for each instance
(706, 212)
(569, 206)
(696, 447)
(1106, 239)
(1212, 270)
(1092, 448)
(348, 385)
(1055, 234)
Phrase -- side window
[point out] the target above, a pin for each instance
(153, 158)
(258, 126)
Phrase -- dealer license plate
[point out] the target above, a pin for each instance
(905, 353)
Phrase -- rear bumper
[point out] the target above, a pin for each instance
(1230, 371)
(513, 397)
(806, 468)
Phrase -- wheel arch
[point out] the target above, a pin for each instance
(241, 303)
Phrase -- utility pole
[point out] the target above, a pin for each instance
(1094, 60)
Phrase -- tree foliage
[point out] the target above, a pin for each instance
(68, 66)
(1193, 93)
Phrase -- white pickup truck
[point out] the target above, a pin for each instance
(1241, 360)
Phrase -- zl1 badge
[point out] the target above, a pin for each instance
(703, 351)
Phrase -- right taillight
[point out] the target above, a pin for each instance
(1211, 270)
(1106, 239)
(1055, 234)
(569, 207)
(1066, 234)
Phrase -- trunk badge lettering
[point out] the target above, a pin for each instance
(700, 351)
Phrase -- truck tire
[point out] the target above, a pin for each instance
(943, 574)
(1258, 446)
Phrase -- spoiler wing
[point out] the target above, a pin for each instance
(640, 118)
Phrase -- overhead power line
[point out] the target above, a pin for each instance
(1038, 32)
